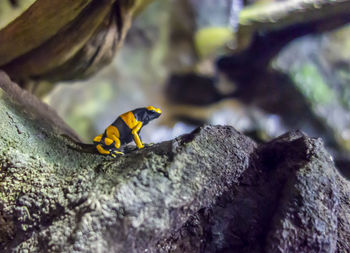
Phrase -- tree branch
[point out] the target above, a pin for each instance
(64, 40)
(281, 15)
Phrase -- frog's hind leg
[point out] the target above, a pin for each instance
(112, 147)
(102, 150)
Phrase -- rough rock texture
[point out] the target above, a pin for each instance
(213, 190)
(291, 199)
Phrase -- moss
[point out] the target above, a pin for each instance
(311, 84)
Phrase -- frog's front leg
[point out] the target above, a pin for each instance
(137, 139)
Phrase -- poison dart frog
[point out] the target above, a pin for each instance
(125, 129)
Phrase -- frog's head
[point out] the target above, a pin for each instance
(153, 112)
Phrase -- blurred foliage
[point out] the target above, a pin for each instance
(319, 65)
(210, 39)
(140, 5)
(78, 108)
(344, 74)
(310, 82)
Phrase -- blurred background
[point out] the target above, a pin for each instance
(250, 64)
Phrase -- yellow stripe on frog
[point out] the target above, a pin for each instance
(129, 119)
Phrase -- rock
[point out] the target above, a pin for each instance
(22, 100)
(55, 198)
(213, 190)
(290, 199)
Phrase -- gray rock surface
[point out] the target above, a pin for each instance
(290, 199)
(213, 190)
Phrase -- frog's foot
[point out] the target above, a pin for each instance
(116, 153)
(140, 146)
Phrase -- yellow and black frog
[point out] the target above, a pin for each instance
(125, 129)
